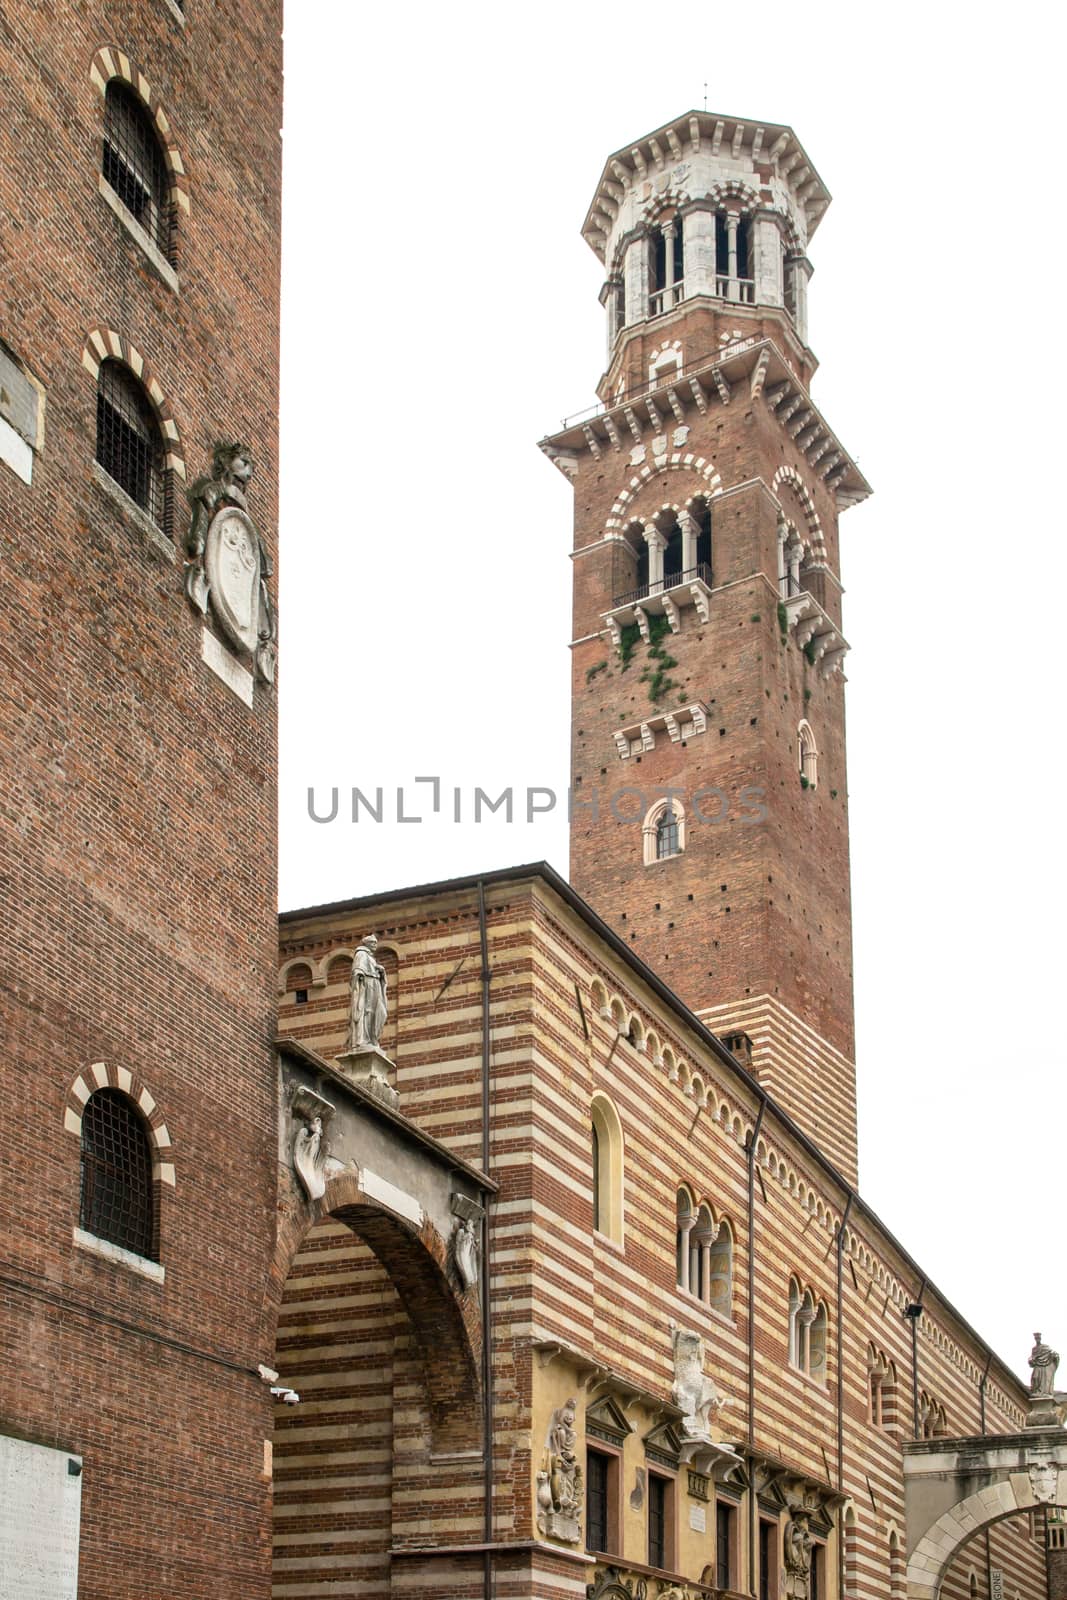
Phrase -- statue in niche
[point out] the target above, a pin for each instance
(311, 1156)
(368, 1006)
(1043, 1362)
(227, 563)
(798, 1545)
(559, 1483)
(694, 1393)
(466, 1252)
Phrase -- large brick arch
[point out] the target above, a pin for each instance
(447, 1322)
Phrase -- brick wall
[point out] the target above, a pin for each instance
(137, 809)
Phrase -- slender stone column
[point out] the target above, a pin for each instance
(732, 222)
(657, 544)
(685, 1228)
(668, 267)
(689, 541)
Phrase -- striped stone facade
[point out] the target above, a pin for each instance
(578, 1314)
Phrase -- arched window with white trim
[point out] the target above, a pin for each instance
(663, 831)
(134, 167)
(117, 1202)
(129, 440)
(807, 756)
(606, 1150)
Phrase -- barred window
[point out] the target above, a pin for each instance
(129, 444)
(116, 1174)
(134, 166)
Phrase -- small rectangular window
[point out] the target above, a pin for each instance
(817, 1583)
(301, 997)
(768, 1560)
(657, 1521)
(724, 1545)
(598, 1480)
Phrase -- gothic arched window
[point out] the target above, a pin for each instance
(134, 168)
(807, 757)
(129, 443)
(663, 832)
(116, 1174)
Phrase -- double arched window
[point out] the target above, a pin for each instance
(129, 441)
(134, 167)
(881, 1388)
(116, 1175)
(704, 1254)
(807, 1332)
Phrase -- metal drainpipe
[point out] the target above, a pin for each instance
(487, 1338)
(841, 1386)
(752, 1333)
(981, 1392)
(913, 1311)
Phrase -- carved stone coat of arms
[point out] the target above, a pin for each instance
(227, 564)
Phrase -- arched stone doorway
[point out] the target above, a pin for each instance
(958, 1490)
(386, 1435)
(377, 1326)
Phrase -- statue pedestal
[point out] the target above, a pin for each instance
(1044, 1412)
(368, 1069)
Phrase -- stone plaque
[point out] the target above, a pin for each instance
(40, 1517)
(20, 403)
(698, 1519)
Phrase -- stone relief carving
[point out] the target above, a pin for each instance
(1044, 1481)
(692, 1391)
(227, 563)
(797, 1549)
(363, 1061)
(466, 1239)
(559, 1483)
(311, 1154)
(1044, 1409)
(615, 1583)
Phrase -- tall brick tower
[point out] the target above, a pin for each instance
(139, 224)
(710, 825)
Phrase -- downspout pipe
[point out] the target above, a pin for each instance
(983, 1380)
(913, 1311)
(487, 1261)
(753, 1139)
(841, 1384)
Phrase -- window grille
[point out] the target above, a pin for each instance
(128, 442)
(134, 167)
(116, 1174)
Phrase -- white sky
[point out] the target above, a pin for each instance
(440, 315)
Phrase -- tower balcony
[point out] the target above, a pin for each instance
(667, 597)
(816, 633)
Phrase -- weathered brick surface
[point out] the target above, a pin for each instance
(137, 807)
(756, 905)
